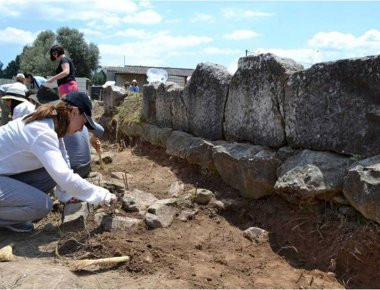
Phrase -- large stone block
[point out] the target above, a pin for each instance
(155, 135)
(254, 105)
(251, 169)
(149, 103)
(112, 97)
(170, 107)
(204, 98)
(194, 149)
(334, 106)
(361, 187)
(311, 175)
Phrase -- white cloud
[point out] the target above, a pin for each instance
(145, 4)
(201, 17)
(11, 35)
(369, 41)
(221, 51)
(240, 35)
(239, 14)
(114, 6)
(12, 8)
(106, 14)
(144, 17)
(155, 50)
(232, 67)
(130, 32)
(331, 46)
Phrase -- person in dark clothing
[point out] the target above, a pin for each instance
(65, 72)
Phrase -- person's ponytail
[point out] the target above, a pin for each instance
(59, 113)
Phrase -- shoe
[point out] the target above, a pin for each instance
(21, 227)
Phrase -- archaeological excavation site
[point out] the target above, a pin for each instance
(267, 178)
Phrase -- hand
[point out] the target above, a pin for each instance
(112, 199)
(95, 142)
(50, 80)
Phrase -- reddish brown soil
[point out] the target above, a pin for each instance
(311, 247)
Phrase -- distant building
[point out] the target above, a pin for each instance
(133, 72)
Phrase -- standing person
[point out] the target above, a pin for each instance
(20, 79)
(65, 72)
(34, 142)
(134, 87)
(34, 81)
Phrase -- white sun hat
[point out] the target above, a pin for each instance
(15, 92)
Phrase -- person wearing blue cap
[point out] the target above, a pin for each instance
(34, 142)
(78, 144)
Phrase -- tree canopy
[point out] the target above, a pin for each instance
(35, 58)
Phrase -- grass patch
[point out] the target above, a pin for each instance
(130, 111)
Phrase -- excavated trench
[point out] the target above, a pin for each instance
(335, 240)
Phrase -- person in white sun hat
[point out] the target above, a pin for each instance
(20, 80)
(16, 101)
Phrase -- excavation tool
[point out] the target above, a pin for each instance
(101, 163)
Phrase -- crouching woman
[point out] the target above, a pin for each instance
(34, 142)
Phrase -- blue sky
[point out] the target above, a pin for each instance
(185, 33)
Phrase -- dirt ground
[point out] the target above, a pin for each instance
(311, 247)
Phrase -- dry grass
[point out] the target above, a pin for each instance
(130, 110)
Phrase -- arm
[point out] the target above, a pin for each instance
(65, 72)
(46, 149)
(95, 142)
(95, 135)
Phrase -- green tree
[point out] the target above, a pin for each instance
(12, 68)
(98, 78)
(85, 56)
(1, 69)
(35, 59)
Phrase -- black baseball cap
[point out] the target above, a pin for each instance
(83, 102)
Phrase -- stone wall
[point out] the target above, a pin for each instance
(274, 127)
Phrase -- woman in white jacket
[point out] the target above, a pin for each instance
(33, 142)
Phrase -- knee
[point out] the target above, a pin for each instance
(43, 208)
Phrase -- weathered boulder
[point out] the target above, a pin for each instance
(333, 106)
(204, 98)
(256, 234)
(149, 103)
(117, 223)
(112, 97)
(202, 196)
(254, 105)
(362, 187)
(132, 129)
(137, 200)
(155, 135)
(170, 107)
(194, 149)
(75, 216)
(161, 214)
(113, 185)
(251, 169)
(312, 174)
